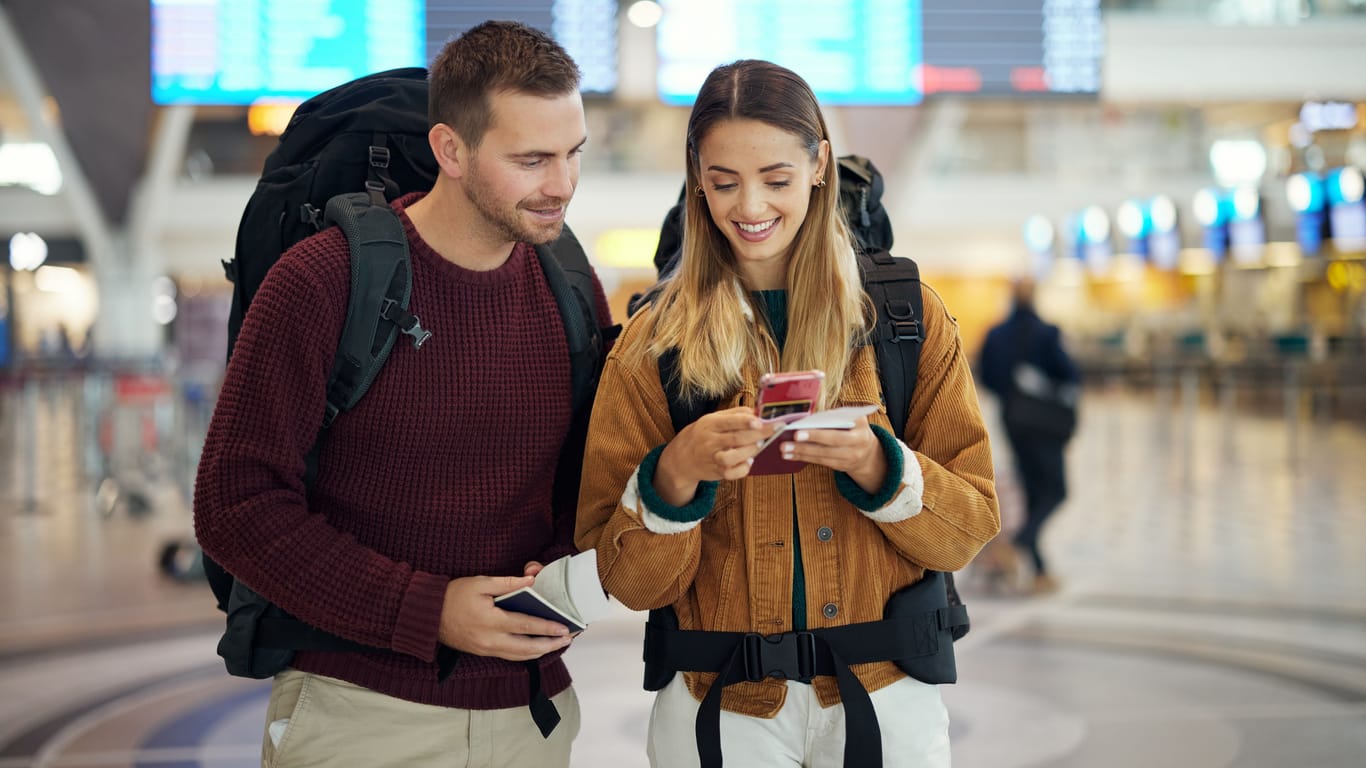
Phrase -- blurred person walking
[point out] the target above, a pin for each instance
(1024, 364)
(774, 636)
(432, 495)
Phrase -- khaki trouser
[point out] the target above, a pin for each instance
(337, 724)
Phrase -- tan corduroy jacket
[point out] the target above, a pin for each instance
(734, 571)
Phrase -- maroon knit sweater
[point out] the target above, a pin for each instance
(442, 470)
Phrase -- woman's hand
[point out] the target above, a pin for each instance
(718, 446)
(856, 452)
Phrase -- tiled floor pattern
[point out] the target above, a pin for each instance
(1213, 611)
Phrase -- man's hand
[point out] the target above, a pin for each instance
(471, 623)
(718, 446)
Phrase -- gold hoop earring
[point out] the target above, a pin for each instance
(697, 190)
(821, 183)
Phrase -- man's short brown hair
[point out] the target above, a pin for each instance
(493, 57)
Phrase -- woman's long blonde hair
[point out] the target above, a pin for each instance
(700, 310)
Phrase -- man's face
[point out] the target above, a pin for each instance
(525, 170)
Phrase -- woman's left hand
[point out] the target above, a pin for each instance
(856, 452)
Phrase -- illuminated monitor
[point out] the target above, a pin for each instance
(889, 52)
(1012, 47)
(245, 51)
(849, 51)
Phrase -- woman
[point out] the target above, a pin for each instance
(769, 282)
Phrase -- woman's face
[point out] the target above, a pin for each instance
(757, 180)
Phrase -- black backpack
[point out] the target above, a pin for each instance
(893, 284)
(345, 154)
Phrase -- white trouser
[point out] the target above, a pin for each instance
(910, 714)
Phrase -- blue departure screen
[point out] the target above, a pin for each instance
(850, 51)
(883, 52)
(245, 51)
(242, 51)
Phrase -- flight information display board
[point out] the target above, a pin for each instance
(889, 52)
(1012, 47)
(850, 51)
(245, 51)
(586, 28)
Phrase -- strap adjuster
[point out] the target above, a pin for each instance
(407, 322)
(904, 330)
(379, 156)
(951, 617)
(900, 309)
(376, 192)
(903, 326)
(786, 656)
(308, 214)
(330, 413)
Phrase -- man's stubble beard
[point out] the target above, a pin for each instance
(508, 222)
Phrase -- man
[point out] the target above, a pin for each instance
(1024, 339)
(431, 495)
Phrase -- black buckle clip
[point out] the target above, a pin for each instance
(905, 330)
(379, 157)
(311, 215)
(406, 322)
(330, 414)
(786, 656)
(903, 326)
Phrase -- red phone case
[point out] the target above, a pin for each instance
(784, 397)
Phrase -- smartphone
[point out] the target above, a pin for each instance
(788, 395)
(784, 397)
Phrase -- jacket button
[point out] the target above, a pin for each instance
(824, 533)
(830, 610)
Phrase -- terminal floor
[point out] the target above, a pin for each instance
(1213, 610)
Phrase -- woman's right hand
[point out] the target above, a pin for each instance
(718, 446)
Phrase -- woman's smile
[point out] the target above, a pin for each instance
(756, 232)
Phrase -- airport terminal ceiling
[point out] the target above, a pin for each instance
(106, 118)
(109, 123)
(964, 174)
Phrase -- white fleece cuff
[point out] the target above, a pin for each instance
(908, 501)
(653, 522)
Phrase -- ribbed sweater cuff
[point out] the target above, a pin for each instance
(419, 616)
(896, 467)
(692, 512)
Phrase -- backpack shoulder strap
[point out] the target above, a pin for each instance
(377, 310)
(682, 411)
(894, 286)
(570, 277)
